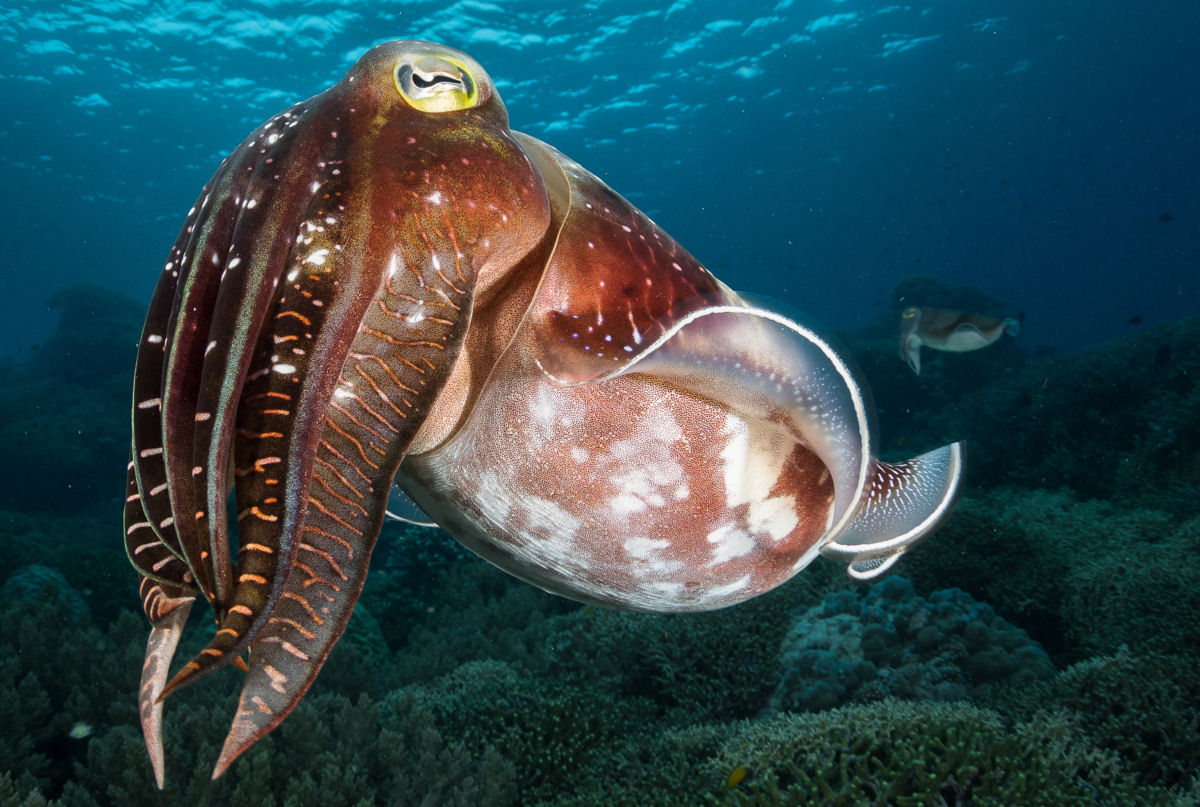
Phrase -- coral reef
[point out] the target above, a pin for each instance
(1083, 578)
(891, 642)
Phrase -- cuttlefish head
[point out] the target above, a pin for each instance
(948, 330)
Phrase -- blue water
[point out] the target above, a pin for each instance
(812, 152)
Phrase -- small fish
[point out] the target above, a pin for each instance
(736, 776)
(948, 330)
(80, 731)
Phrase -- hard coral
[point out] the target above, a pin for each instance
(891, 642)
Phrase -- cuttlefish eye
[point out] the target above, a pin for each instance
(436, 83)
(909, 313)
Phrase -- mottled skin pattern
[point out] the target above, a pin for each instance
(385, 282)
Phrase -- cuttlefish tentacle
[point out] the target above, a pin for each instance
(167, 609)
(948, 330)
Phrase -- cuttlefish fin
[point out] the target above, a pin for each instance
(871, 568)
(901, 504)
(168, 614)
(402, 508)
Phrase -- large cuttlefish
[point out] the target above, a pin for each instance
(384, 284)
(948, 330)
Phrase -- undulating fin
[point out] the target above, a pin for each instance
(901, 504)
(402, 508)
(167, 609)
(867, 569)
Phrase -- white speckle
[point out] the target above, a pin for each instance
(154, 339)
(626, 503)
(251, 204)
(284, 369)
(580, 455)
(234, 263)
(753, 461)
(729, 542)
(317, 258)
(434, 198)
(649, 562)
(729, 588)
(341, 393)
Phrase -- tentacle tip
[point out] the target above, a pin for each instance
(233, 748)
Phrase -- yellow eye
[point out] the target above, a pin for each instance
(909, 313)
(436, 83)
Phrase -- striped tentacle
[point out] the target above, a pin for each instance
(252, 269)
(394, 369)
(148, 466)
(167, 608)
(153, 559)
(286, 313)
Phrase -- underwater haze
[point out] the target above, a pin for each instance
(810, 152)
(992, 208)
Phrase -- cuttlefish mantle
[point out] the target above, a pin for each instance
(948, 330)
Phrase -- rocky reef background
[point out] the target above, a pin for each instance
(1041, 648)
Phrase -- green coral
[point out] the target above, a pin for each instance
(1083, 578)
(904, 753)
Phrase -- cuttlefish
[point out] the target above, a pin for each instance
(386, 285)
(948, 330)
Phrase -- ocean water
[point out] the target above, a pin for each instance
(838, 158)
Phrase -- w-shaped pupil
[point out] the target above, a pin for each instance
(439, 78)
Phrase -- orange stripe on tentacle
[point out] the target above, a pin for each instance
(338, 496)
(362, 453)
(402, 342)
(325, 556)
(312, 614)
(338, 407)
(336, 538)
(329, 447)
(319, 460)
(332, 516)
(295, 314)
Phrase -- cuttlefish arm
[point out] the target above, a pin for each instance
(948, 330)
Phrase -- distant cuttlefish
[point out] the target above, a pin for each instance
(948, 330)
